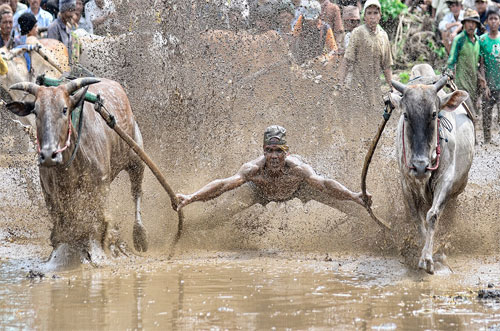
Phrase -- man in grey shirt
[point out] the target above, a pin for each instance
(60, 28)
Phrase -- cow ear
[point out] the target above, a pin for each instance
(395, 99)
(78, 97)
(451, 101)
(21, 108)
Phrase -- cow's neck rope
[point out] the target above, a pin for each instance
(438, 149)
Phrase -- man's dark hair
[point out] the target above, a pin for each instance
(492, 10)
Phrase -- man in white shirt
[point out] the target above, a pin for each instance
(451, 24)
(43, 17)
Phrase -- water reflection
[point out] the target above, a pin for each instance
(253, 293)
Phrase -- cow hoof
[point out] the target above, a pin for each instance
(140, 238)
(65, 257)
(427, 265)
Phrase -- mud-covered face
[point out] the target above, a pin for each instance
(275, 157)
(493, 21)
(372, 17)
(470, 27)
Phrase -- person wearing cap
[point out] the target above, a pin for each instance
(481, 8)
(366, 57)
(464, 57)
(276, 176)
(490, 68)
(351, 19)
(28, 27)
(43, 17)
(60, 29)
(312, 36)
(451, 24)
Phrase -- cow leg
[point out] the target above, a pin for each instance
(136, 174)
(433, 215)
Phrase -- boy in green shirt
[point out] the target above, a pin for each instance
(464, 57)
(490, 66)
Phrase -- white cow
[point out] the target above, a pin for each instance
(435, 145)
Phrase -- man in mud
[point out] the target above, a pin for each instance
(366, 57)
(277, 176)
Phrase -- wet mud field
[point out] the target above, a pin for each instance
(202, 98)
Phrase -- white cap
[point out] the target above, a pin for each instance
(312, 9)
(372, 3)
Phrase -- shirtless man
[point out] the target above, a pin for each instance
(277, 176)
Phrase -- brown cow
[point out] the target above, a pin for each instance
(76, 192)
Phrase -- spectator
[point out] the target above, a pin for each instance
(60, 29)
(451, 24)
(28, 28)
(481, 6)
(312, 36)
(330, 14)
(367, 56)
(464, 57)
(51, 6)
(83, 21)
(439, 10)
(43, 17)
(490, 66)
(17, 6)
(5, 24)
(351, 21)
(101, 13)
(286, 10)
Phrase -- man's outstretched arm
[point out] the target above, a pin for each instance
(218, 186)
(330, 186)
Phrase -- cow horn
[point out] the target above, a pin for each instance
(26, 86)
(399, 86)
(76, 84)
(440, 83)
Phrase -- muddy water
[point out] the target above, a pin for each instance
(250, 291)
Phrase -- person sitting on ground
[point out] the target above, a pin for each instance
(60, 29)
(43, 17)
(451, 24)
(367, 56)
(330, 14)
(312, 36)
(277, 176)
(464, 58)
(6, 24)
(29, 28)
(490, 67)
(351, 19)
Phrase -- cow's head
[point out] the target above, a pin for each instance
(52, 108)
(420, 106)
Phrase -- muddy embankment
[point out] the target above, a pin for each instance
(203, 100)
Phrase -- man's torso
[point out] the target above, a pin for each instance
(490, 51)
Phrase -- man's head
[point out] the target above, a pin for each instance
(493, 18)
(455, 6)
(471, 21)
(6, 22)
(372, 13)
(27, 22)
(34, 5)
(275, 147)
(67, 10)
(351, 17)
(481, 6)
